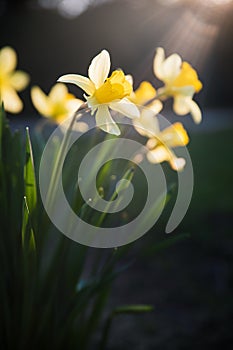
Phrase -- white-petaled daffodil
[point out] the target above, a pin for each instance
(11, 80)
(181, 82)
(58, 105)
(103, 93)
(144, 97)
(160, 144)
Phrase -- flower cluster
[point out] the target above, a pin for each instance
(105, 92)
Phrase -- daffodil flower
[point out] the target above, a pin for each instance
(181, 82)
(58, 105)
(103, 93)
(143, 96)
(160, 144)
(11, 80)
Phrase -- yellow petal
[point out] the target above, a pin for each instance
(40, 101)
(144, 93)
(8, 60)
(174, 136)
(188, 76)
(19, 80)
(11, 100)
(84, 83)
(105, 122)
(99, 68)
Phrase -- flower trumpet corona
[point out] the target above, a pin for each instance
(145, 95)
(58, 105)
(11, 80)
(103, 93)
(181, 82)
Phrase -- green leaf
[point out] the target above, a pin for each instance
(28, 237)
(125, 309)
(132, 309)
(29, 175)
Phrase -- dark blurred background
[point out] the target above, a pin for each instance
(53, 37)
(190, 283)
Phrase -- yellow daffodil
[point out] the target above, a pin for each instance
(58, 105)
(181, 82)
(11, 80)
(105, 93)
(161, 143)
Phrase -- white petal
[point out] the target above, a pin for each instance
(185, 105)
(180, 105)
(8, 60)
(19, 80)
(126, 108)
(161, 154)
(129, 78)
(158, 155)
(99, 68)
(40, 101)
(73, 105)
(11, 100)
(171, 67)
(177, 164)
(58, 92)
(157, 64)
(195, 111)
(83, 82)
(105, 122)
(156, 106)
(147, 124)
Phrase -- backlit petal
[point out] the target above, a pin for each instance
(171, 67)
(161, 154)
(158, 61)
(19, 80)
(185, 105)
(105, 122)
(73, 105)
(99, 68)
(195, 111)
(40, 101)
(126, 108)
(58, 92)
(84, 83)
(11, 100)
(8, 60)
(147, 124)
(158, 155)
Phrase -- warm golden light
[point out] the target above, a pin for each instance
(218, 2)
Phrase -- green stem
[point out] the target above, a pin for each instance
(60, 158)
